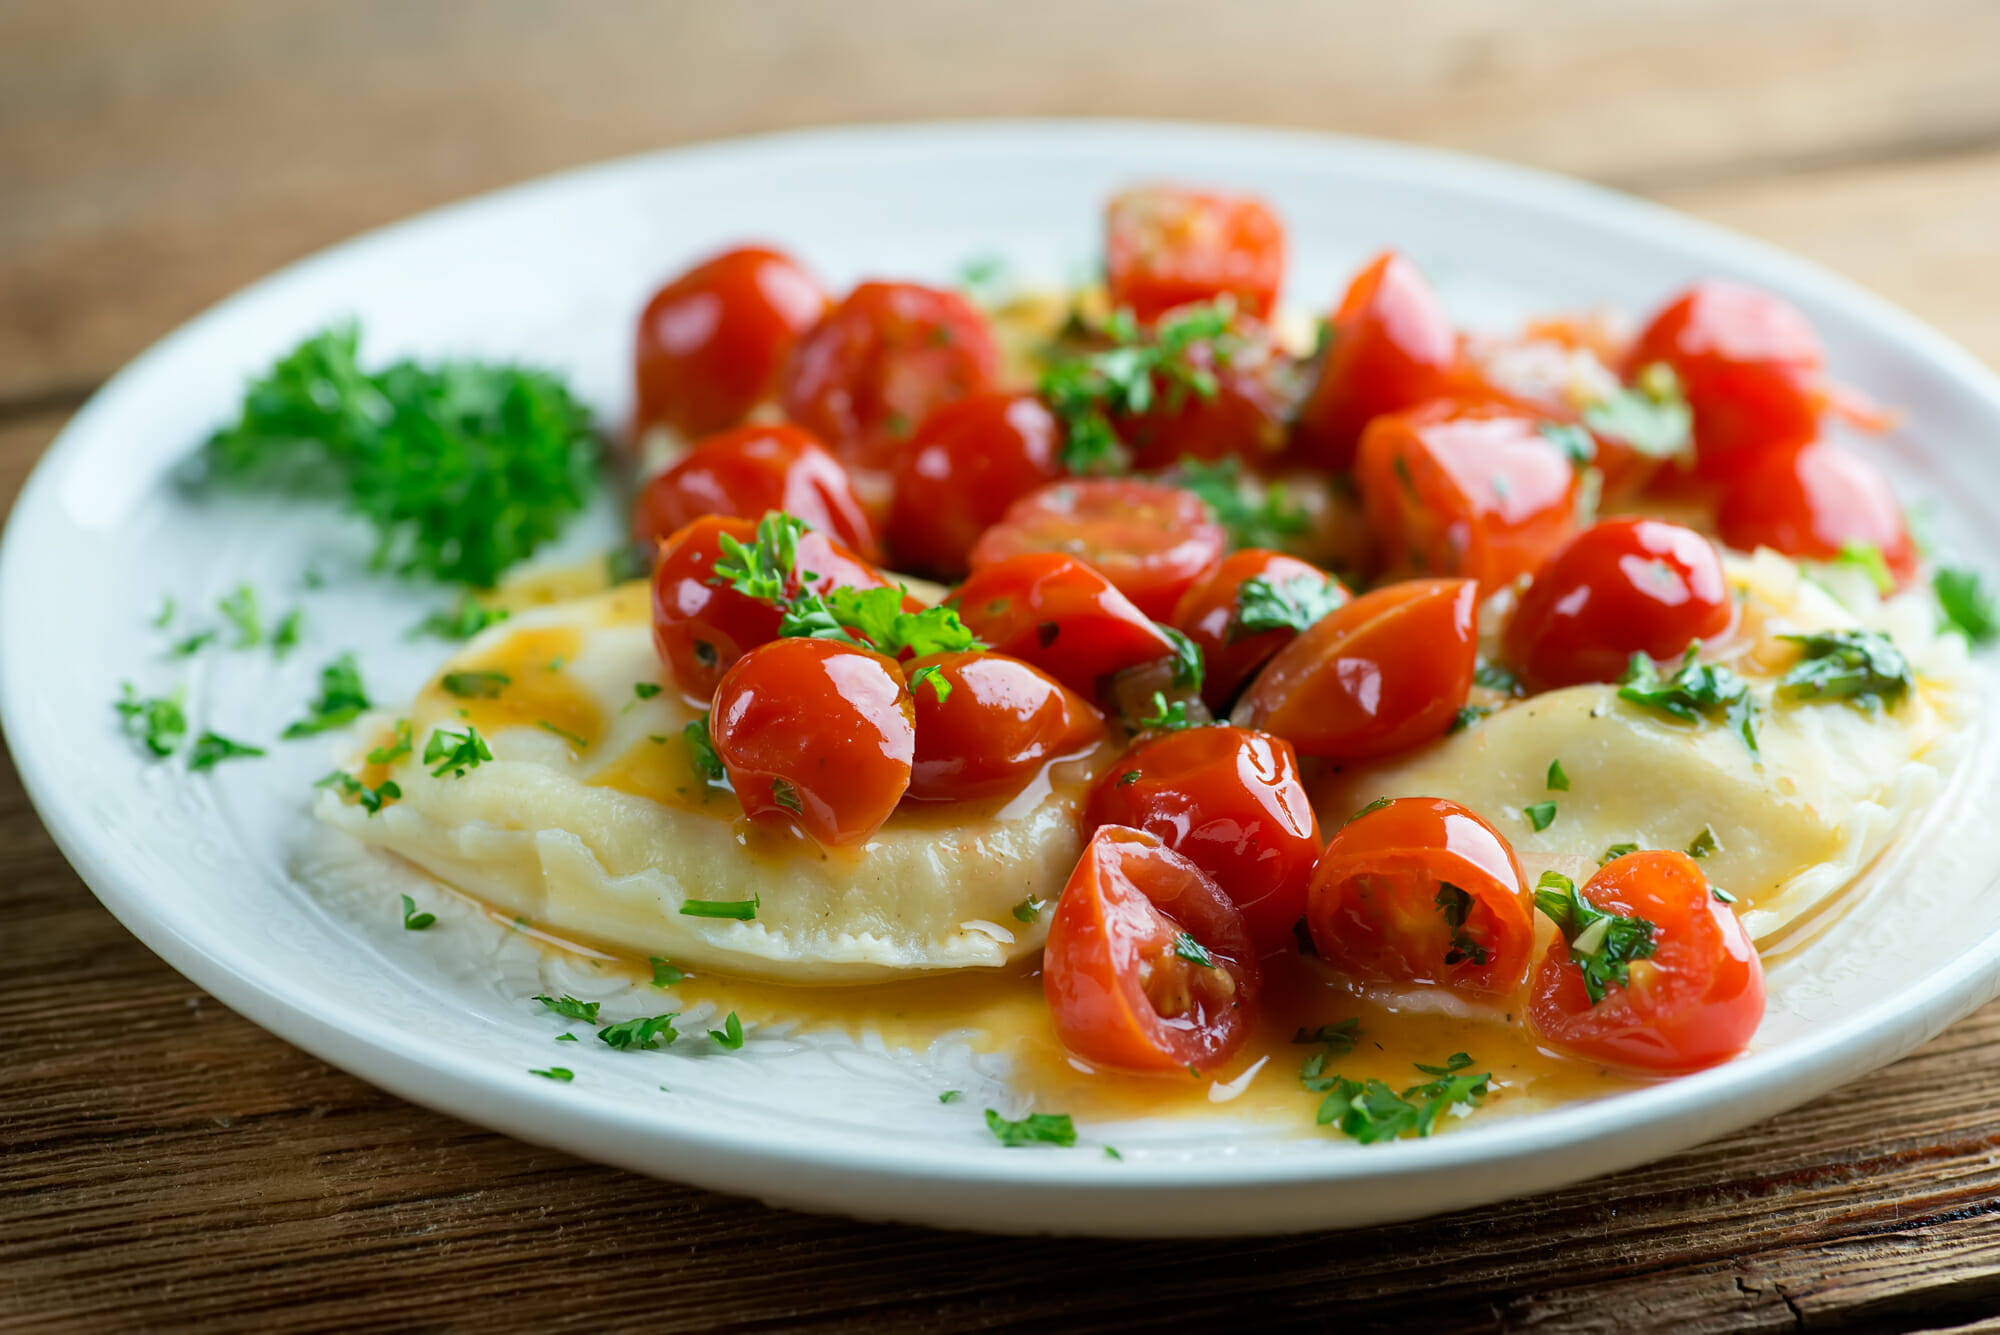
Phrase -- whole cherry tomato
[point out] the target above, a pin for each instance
(881, 362)
(1750, 365)
(1813, 501)
(1621, 587)
(1229, 801)
(1390, 346)
(1693, 993)
(1149, 539)
(711, 342)
(1465, 489)
(1244, 418)
(1208, 614)
(817, 733)
(1387, 671)
(701, 626)
(1000, 722)
(1061, 615)
(749, 471)
(1148, 965)
(1421, 890)
(1166, 246)
(969, 461)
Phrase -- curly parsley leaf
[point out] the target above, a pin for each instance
(1090, 392)
(1968, 608)
(352, 790)
(1695, 692)
(1338, 1038)
(1650, 415)
(1289, 604)
(414, 921)
(342, 699)
(648, 1031)
(455, 752)
(570, 1008)
(1034, 1129)
(1864, 666)
(1370, 1111)
(158, 723)
(1256, 513)
(1603, 945)
(212, 748)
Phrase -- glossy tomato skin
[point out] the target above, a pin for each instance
(1001, 722)
(1465, 489)
(882, 361)
(749, 471)
(1751, 366)
(701, 627)
(1380, 910)
(712, 342)
(1167, 246)
(817, 733)
(1387, 671)
(1621, 587)
(1230, 801)
(968, 463)
(1695, 1002)
(1392, 347)
(1149, 539)
(1206, 614)
(1813, 500)
(1060, 614)
(1244, 419)
(1119, 993)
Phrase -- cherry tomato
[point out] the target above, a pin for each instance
(1553, 371)
(1149, 539)
(969, 461)
(750, 471)
(711, 342)
(1387, 671)
(1165, 246)
(701, 627)
(1001, 721)
(1695, 1001)
(1814, 500)
(881, 362)
(817, 733)
(1391, 347)
(1465, 489)
(1061, 615)
(1206, 614)
(1621, 587)
(1750, 364)
(1229, 801)
(1421, 890)
(1148, 965)
(1244, 418)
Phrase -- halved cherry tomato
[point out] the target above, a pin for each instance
(748, 472)
(817, 733)
(1421, 890)
(887, 357)
(1148, 965)
(1621, 587)
(1554, 370)
(1166, 246)
(701, 626)
(1387, 671)
(1390, 347)
(1149, 539)
(1750, 364)
(711, 342)
(1465, 489)
(1061, 615)
(1230, 801)
(1244, 418)
(1000, 721)
(1695, 1001)
(970, 460)
(1814, 500)
(1206, 614)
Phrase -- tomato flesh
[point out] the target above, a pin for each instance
(999, 724)
(968, 463)
(1149, 539)
(1244, 418)
(1061, 615)
(1813, 501)
(749, 471)
(1206, 614)
(1166, 246)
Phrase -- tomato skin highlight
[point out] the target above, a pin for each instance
(1812, 501)
(1392, 348)
(712, 342)
(999, 724)
(968, 463)
(1110, 960)
(1374, 904)
(1206, 614)
(1167, 246)
(1695, 1002)
(1621, 587)
(1230, 801)
(1060, 614)
(1149, 539)
(834, 722)
(749, 471)
(1385, 672)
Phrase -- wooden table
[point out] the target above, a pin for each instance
(164, 1163)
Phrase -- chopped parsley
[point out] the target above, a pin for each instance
(285, 635)
(1292, 604)
(414, 921)
(1456, 906)
(342, 699)
(353, 790)
(455, 752)
(1371, 808)
(1191, 950)
(1091, 391)
(1111, 1152)
(742, 910)
(212, 748)
(239, 609)
(1256, 514)
(1188, 665)
(1864, 666)
(1370, 1111)
(1540, 815)
(1867, 558)
(1577, 445)
(1034, 1129)
(730, 1036)
(1496, 678)
(1615, 852)
(572, 1009)
(1650, 415)
(1338, 1038)
(399, 746)
(462, 622)
(566, 1038)
(648, 1031)
(664, 973)
(1466, 717)
(193, 644)
(1704, 843)
(475, 685)
(1168, 718)
(645, 690)
(1603, 945)
(1029, 910)
(579, 743)
(1695, 692)
(165, 614)
(1128, 778)
(951, 1096)
(701, 750)
(786, 795)
(158, 723)
(1558, 781)
(558, 1073)
(1967, 607)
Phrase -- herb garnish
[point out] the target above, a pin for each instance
(1466, 717)
(1695, 692)
(157, 723)
(1168, 718)
(1864, 666)
(1558, 781)
(342, 699)
(951, 1096)
(1370, 1111)
(664, 973)
(475, 685)
(561, 1073)
(730, 1036)
(212, 748)
(1650, 415)
(1034, 1129)
(193, 644)
(648, 1031)
(570, 1008)
(786, 795)
(1029, 910)
(1291, 604)
(1496, 678)
(455, 751)
(1968, 608)
(1615, 852)
(742, 910)
(1456, 906)
(285, 635)
(1867, 558)
(701, 750)
(1602, 944)
(575, 741)
(1704, 843)
(645, 690)
(1090, 391)
(1338, 1038)
(399, 746)
(1189, 667)
(414, 921)
(165, 614)
(462, 622)
(1374, 806)
(239, 608)
(1191, 950)
(352, 789)
(1540, 815)
(1257, 514)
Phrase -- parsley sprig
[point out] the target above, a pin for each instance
(1370, 1111)
(342, 699)
(1091, 391)
(1297, 603)
(1034, 1129)
(158, 723)
(1695, 692)
(1603, 945)
(1864, 666)
(455, 752)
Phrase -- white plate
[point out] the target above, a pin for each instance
(206, 869)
